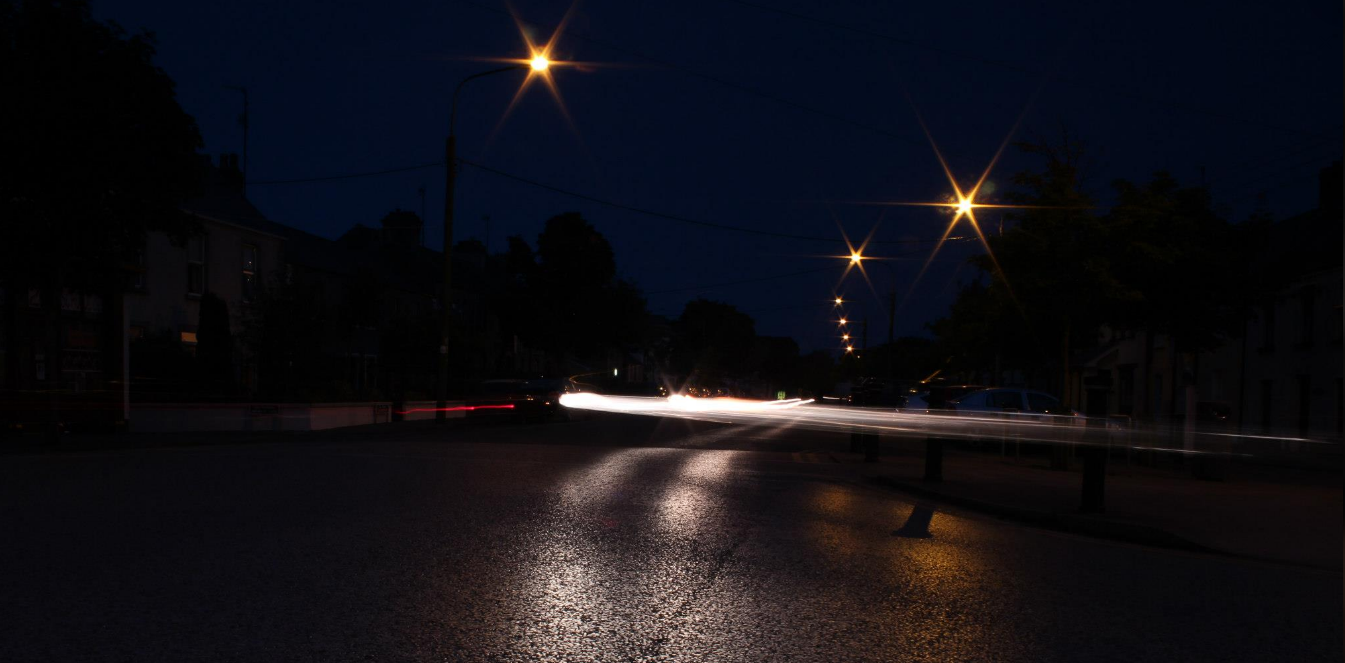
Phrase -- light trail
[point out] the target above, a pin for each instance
(459, 408)
(1007, 426)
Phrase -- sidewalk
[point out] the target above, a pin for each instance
(1284, 516)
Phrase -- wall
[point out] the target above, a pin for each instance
(224, 417)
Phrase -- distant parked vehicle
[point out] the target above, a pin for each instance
(995, 409)
(878, 392)
(936, 397)
(525, 399)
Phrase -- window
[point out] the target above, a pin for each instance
(1125, 389)
(1268, 326)
(249, 272)
(1304, 404)
(1335, 323)
(972, 400)
(196, 267)
(138, 270)
(1043, 404)
(187, 334)
(1308, 301)
(1157, 396)
(1006, 400)
(1267, 404)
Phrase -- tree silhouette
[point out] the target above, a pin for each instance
(95, 150)
(713, 340)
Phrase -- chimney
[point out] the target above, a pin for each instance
(1329, 190)
(228, 168)
(403, 227)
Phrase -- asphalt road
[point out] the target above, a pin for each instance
(603, 540)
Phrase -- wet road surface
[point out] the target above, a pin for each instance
(600, 540)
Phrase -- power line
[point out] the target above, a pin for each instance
(347, 176)
(674, 217)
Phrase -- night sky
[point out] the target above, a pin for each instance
(736, 114)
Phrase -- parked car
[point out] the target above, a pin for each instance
(995, 411)
(526, 399)
(878, 392)
(936, 397)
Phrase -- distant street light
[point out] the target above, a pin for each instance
(849, 348)
(839, 301)
(843, 321)
(539, 62)
(855, 257)
(845, 337)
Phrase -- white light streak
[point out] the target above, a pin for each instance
(1009, 426)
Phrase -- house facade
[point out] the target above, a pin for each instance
(1281, 376)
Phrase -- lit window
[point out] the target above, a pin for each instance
(249, 272)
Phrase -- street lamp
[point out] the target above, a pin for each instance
(843, 321)
(839, 301)
(538, 63)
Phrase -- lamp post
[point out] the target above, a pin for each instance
(538, 63)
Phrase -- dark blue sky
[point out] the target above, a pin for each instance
(735, 114)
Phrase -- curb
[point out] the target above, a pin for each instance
(1061, 522)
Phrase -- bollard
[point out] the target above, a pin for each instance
(1094, 452)
(933, 459)
(1094, 479)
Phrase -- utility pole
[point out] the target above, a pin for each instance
(450, 182)
(450, 177)
(891, 313)
(421, 191)
(243, 120)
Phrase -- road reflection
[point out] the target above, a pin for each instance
(693, 497)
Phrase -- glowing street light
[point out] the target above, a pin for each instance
(538, 66)
(839, 301)
(845, 337)
(849, 348)
(855, 257)
(843, 320)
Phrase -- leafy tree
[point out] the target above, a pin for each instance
(816, 373)
(580, 305)
(1049, 283)
(94, 149)
(713, 340)
(1185, 263)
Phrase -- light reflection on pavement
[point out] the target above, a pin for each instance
(505, 547)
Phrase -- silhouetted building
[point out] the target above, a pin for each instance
(236, 254)
(403, 227)
(1283, 374)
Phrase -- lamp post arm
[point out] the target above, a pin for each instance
(453, 107)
